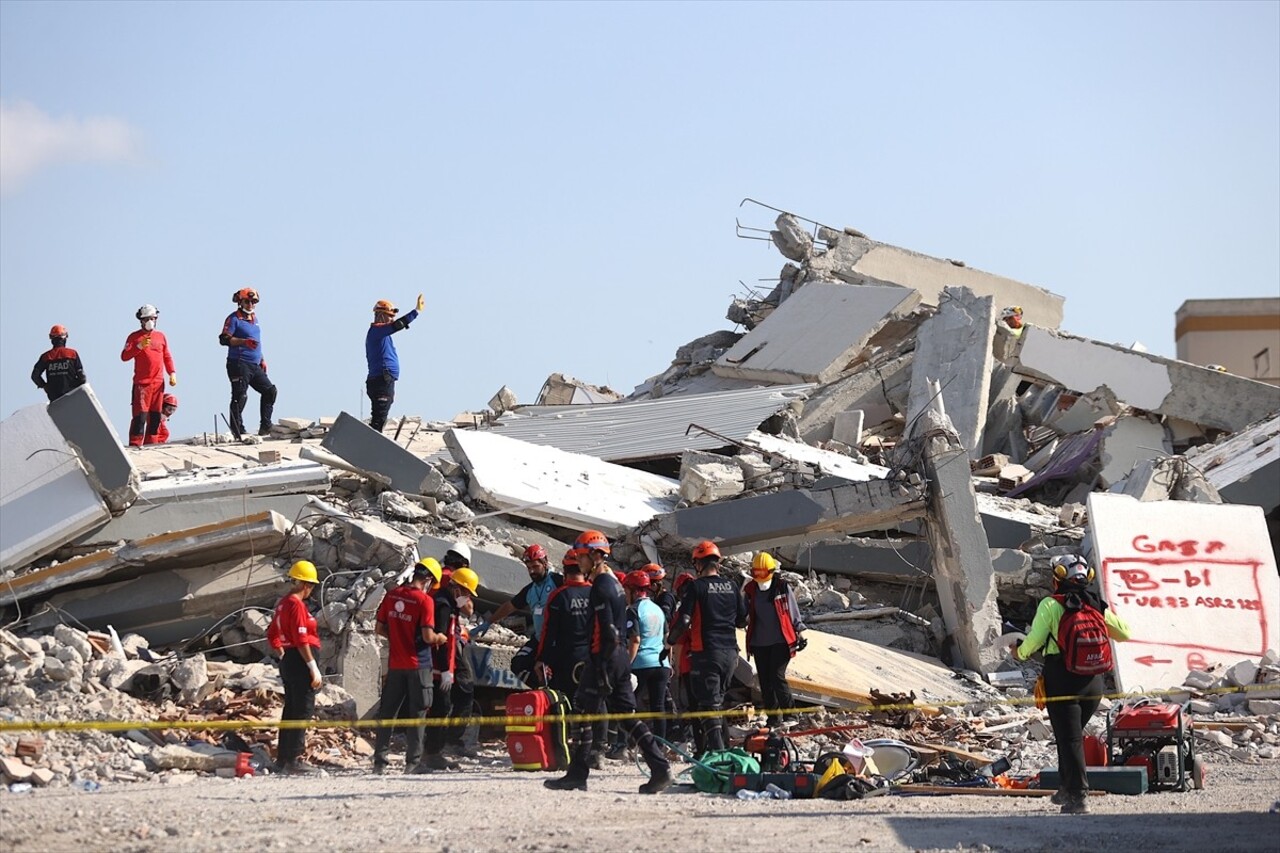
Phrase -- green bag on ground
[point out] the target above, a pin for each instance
(716, 767)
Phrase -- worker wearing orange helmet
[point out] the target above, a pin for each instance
(710, 613)
(775, 632)
(246, 366)
(148, 349)
(167, 408)
(58, 370)
(384, 362)
(606, 675)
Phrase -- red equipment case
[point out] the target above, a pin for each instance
(538, 744)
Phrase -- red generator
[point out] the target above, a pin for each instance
(1157, 736)
(533, 743)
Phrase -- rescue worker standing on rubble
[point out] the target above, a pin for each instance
(646, 635)
(293, 636)
(606, 674)
(710, 612)
(148, 349)
(384, 363)
(531, 599)
(1080, 694)
(1011, 319)
(246, 368)
(58, 370)
(564, 644)
(774, 633)
(406, 618)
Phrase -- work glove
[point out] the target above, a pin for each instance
(446, 681)
(801, 643)
(249, 343)
(422, 303)
(173, 379)
(143, 343)
(316, 681)
(481, 628)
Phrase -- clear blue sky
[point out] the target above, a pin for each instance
(561, 180)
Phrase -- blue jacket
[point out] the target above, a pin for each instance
(380, 350)
(240, 326)
(651, 627)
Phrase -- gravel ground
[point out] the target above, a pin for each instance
(487, 808)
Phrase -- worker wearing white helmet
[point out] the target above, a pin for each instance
(148, 349)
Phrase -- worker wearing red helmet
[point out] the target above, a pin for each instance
(775, 632)
(167, 408)
(148, 349)
(646, 636)
(383, 361)
(58, 370)
(606, 675)
(531, 599)
(246, 366)
(710, 614)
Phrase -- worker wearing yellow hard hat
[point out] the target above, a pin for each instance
(294, 637)
(774, 632)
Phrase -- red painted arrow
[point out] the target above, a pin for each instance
(1148, 660)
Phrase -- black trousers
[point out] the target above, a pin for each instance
(771, 670)
(299, 704)
(618, 699)
(1068, 719)
(709, 680)
(244, 376)
(651, 689)
(406, 693)
(382, 393)
(441, 707)
(522, 662)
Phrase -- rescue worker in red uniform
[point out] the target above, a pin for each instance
(148, 349)
(710, 612)
(607, 675)
(167, 409)
(406, 618)
(293, 636)
(58, 370)
(774, 633)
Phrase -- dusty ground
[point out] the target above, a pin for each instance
(497, 809)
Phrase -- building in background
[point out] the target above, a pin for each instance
(1242, 335)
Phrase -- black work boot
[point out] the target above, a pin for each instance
(658, 782)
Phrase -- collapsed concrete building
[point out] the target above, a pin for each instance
(913, 462)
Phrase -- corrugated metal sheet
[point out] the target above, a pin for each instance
(647, 429)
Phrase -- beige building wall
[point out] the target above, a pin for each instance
(1242, 335)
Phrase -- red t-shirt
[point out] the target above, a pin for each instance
(405, 611)
(293, 625)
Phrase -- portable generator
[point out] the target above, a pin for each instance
(1157, 736)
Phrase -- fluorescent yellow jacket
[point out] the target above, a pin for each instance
(1044, 629)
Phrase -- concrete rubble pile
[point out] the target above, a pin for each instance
(913, 460)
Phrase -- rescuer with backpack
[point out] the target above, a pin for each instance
(1075, 628)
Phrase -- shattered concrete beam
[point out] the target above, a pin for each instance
(264, 533)
(85, 425)
(794, 516)
(954, 349)
(880, 390)
(1149, 382)
(962, 567)
(150, 519)
(364, 447)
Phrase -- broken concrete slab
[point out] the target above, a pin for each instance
(362, 541)
(1159, 385)
(1245, 468)
(283, 478)
(706, 477)
(86, 427)
(813, 335)
(825, 462)
(953, 349)
(561, 390)
(501, 575)
(880, 390)
(568, 489)
(367, 449)
(962, 568)
(263, 533)
(1195, 582)
(1167, 478)
(900, 561)
(48, 498)
(780, 518)
(149, 519)
(1127, 442)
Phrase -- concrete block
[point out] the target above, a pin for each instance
(1159, 385)
(824, 462)
(880, 390)
(359, 663)
(501, 575)
(901, 561)
(1200, 680)
(568, 489)
(260, 480)
(1196, 582)
(366, 448)
(813, 335)
(146, 519)
(85, 425)
(1242, 674)
(1245, 467)
(1264, 707)
(46, 497)
(953, 349)
(847, 427)
(1127, 442)
(706, 477)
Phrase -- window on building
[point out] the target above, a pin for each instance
(1262, 364)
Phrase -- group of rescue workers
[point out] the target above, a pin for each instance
(59, 369)
(595, 629)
